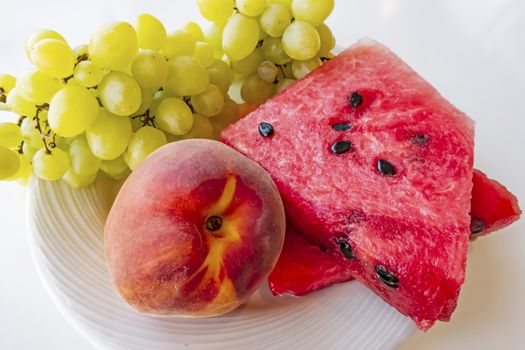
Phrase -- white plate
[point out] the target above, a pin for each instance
(67, 245)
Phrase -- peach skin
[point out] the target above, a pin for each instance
(194, 231)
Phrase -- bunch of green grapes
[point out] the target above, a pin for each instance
(270, 43)
(101, 108)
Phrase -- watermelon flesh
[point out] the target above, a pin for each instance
(304, 267)
(392, 185)
(493, 206)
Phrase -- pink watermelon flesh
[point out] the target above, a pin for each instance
(407, 231)
(304, 267)
(493, 206)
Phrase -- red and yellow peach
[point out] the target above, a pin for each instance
(194, 231)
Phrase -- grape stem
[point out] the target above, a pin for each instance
(81, 58)
(43, 135)
(20, 120)
(3, 96)
(146, 119)
(21, 148)
(187, 100)
(66, 79)
(281, 69)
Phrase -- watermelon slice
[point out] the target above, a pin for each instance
(493, 206)
(371, 160)
(304, 267)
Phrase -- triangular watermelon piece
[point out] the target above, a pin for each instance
(304, 267)
(493, 207)
(368, 156)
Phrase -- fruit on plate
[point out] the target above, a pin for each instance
(304, 267)
(194, 231)
(145, 78)
(372, 161)
(493, 206)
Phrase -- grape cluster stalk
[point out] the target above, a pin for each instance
(102, 107)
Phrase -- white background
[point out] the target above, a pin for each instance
(472, 51)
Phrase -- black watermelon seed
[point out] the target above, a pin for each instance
(213, 223)
(341, 126)
(386, 276)
(476, 226)
(346, 249)
(266, 129)
(420, 139)
(341, 147)
(385, 167)
(323, 248)
(356, 99)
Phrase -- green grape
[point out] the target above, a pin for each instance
(312, 11)
(220, 75)
(113, 46)
(114, 167)
(30, 134)
(302, 68)
(203, 54)
(151, 34)
(72, 110)
(120, 177)
(20, 105)
(228, 115)
(77, 180)
(186, 77)
(179, 43)
(248, 65)
(213, 35)
(216, 10)
(157, 98)
(24, 171)
(272, 50)
(41, 34)
(53, 57)
(29, 152)
(37, 87)
(283, 84)
(268, 71)
(262, 35)
(235, 88)
(275, 19)
(87, 74)
(287, 3)
(301, 41)
(209, 102)
(10, 135)
(256, 90)
(120, 94)
(82, 160)
(240, 36)
(174, 116)
(201, 129)
(9, 163)
(50, 166)
(7, 83)
(150, 69)
(327, 40)
(108, 137)
(146, 101)
(81, 52)
(142, 143)
(195, 30)
(250, 8)
(173, 138)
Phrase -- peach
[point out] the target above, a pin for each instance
(194, 231)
